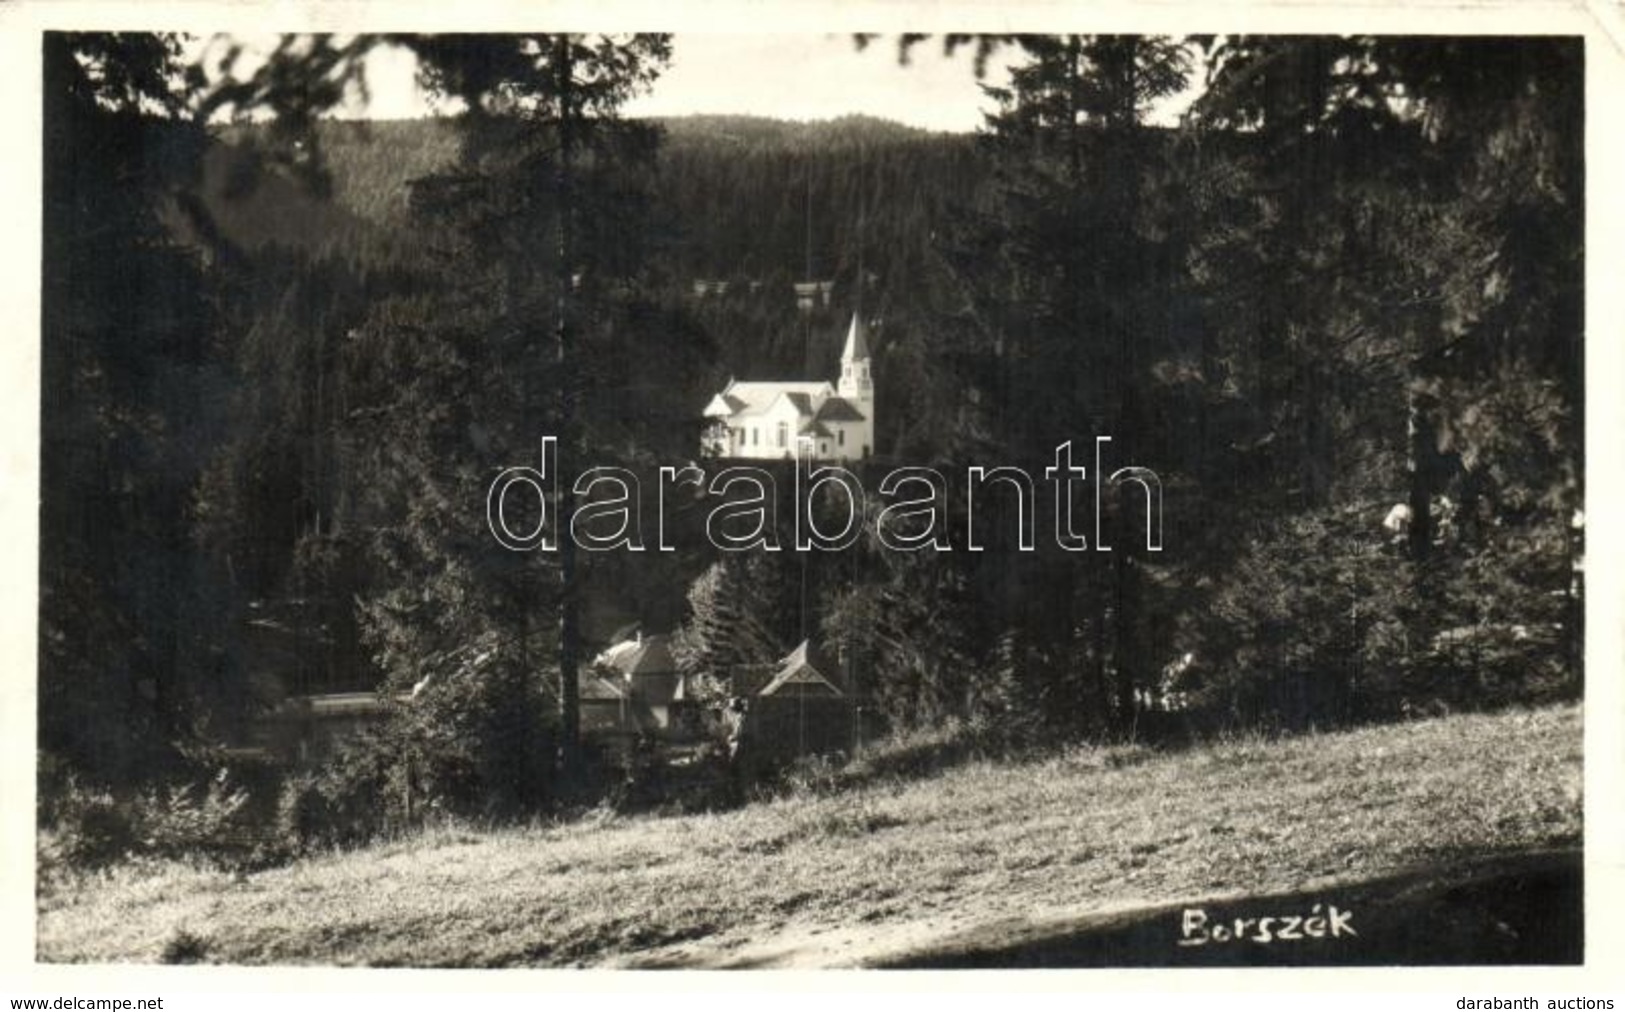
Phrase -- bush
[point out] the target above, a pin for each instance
(183, 947)
(191, 820)
(88, 827)
(416, 766)
(85, 828)
(813, 775)
(364, 791)
(304, 818)
(476, 743)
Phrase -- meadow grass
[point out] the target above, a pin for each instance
(1086, 829)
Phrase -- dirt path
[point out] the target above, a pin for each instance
(810, 945)
(1519, 908)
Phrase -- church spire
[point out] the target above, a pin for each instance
(857, 342)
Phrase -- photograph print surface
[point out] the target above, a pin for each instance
(776, 500)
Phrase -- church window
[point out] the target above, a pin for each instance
(784, 435)
(840, 437)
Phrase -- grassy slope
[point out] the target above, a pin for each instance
(839, 878)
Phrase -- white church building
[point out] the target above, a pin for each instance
(801, 420)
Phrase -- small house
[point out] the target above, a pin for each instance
(803, 708)
(635, 685)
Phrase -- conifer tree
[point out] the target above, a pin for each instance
(537, 269)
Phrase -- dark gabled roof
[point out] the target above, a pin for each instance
(799, 675)
(802, 402)
(814, 428)
(839, 409)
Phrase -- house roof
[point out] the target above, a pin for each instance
(342, 704)
(857, 340)
(814, 428)
(653, 657)
(613, 655)
(599, 687)
(648, 655)
(641, 670)
(799, 675)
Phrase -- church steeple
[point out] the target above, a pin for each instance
(857, 343)
(856, 384)
(857, 389)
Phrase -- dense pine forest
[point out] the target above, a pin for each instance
(1339, 312)
(745, 207)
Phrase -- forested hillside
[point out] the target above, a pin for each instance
(757, 205)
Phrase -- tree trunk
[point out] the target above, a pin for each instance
(569, 438)
(1423, 449)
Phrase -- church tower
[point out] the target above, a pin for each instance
(856, 386)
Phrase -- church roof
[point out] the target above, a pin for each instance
(838, 409)
(723, 405)
(754, 398)
(815, 428)
(802, 402)
(813, 400)
(857, 341)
